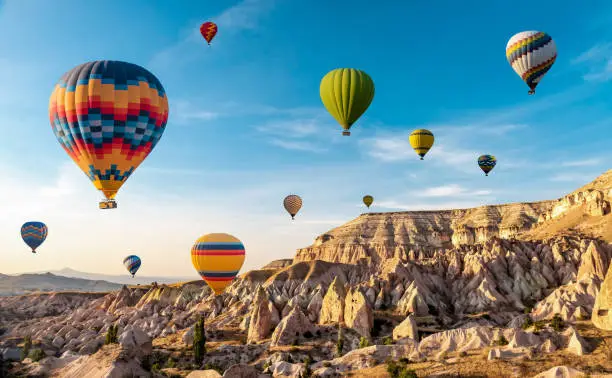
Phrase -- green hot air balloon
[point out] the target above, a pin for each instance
(346, 94)
(368, 200)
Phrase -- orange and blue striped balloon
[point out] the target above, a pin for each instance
(34, 234)
(108, 116)
(218, 259)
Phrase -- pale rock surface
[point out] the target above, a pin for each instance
(561, 372)
(602, 309)
(293, 328)
(332, 308)
(407, 328)
(204, 374)
(261, 317)
(358, 313)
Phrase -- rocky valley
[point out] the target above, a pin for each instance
(515, 290)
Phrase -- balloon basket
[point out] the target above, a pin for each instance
(531, 92)
(110, 204)
(346, 133)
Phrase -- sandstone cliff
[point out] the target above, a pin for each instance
(375, 237)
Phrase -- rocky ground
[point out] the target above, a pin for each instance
(536, 300)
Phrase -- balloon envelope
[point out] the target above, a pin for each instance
(208, 31)
(421, 141)
(34, 234)
(108, 116)
(531, 54)
(487, 163)
(218, 258)
(368, 200)
(346, 93)
(132, 264)
(293, 204)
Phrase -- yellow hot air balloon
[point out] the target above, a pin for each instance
(346, 94)
(421, 141)
(218, 259)
(368, 200)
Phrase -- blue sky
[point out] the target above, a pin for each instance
(247, 126)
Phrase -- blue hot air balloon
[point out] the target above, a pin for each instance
(34, 234)
(132, 263)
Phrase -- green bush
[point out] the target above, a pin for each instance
(37, 355)
(340, 342)
(326, 364)
(27, 346)
(307, 372)
(400, 370)
(170, 363)
(199, 342)
(111, 334)
(363, 342)
(527, 323)
(387, 340)
(501, 341)
(557, 323)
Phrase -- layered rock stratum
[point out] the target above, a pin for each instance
(506, 283)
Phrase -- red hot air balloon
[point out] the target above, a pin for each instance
(208, 30)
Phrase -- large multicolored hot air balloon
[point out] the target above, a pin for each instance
(208, 31)
(34, 234)
(368, 200)
(346, 94)
(132, 263)
(487, 163)
(108, 116)
(293, 204)
(421, 141)
(531, 54)
(218, 259)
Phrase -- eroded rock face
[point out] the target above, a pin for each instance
(380, 236)
(602, 309)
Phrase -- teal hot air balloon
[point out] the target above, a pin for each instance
(487, 163)
(132, 264)
(34, 234)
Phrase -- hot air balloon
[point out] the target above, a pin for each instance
(368, 200)
(108, 116)
(346, 94)
(34, 234)
(208, 31)
(293, 204)
(487, 163)
(132, 263)
(421, 141)
(531, 54)
(218, 259)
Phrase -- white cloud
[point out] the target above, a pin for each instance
(297, 145)
(581, 163)
(452, 190)
(297, 128)
(573, 177)
(185, 112)
(400, 206)
(244, 15)
(598, 59)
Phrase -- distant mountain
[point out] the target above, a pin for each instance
(125, 279)
(47, 282)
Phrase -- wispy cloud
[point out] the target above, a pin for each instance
(395, 205)
(452, 190)
(297, 145)
(598, 60)
(245, 15)
(581, 163)
(297, 128)
(573, 177)
(185, 112)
